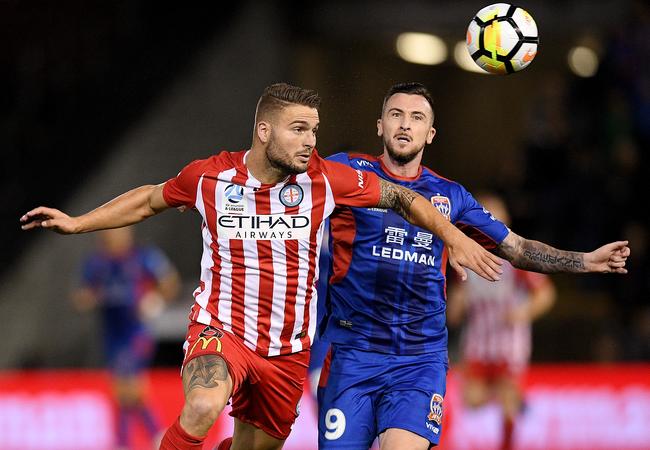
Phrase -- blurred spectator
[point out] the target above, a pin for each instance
(496, 336)
(129, 285)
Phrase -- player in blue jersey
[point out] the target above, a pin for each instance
(385, 311)
(127, 284)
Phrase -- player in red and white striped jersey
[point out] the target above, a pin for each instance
(263, 212)
(496, 334)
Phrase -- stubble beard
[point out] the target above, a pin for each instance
(400, 158)
(280, 160)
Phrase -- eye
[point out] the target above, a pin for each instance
(394, 114)
(418, 117)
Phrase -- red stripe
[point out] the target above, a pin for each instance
(317, 212)
(208, 192)
(325, 370)
(343, 229)
(265, 257)
(483, 239)
(291, 249)
(443, 269)
(238, 274)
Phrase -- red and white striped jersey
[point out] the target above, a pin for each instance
(488, 336)
(261, 244)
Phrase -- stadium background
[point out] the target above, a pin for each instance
(99, 97)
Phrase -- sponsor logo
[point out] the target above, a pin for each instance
(363, 163)
(403, 255)
(360, 179)
(291, 195)
(234, 194)
(205, 343)
(442, 204)
(264, 227)
(435, 409)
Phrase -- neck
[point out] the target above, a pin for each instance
(260, 167)
(406, 170)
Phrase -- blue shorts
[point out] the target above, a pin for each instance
(366, 393)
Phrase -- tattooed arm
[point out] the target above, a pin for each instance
(540, 257)
(463, 251)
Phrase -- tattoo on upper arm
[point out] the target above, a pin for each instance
(205, 371)
(539, 257)
(396, 197)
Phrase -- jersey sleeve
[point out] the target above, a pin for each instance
(477, 222)
(351, 187)
(181, 190)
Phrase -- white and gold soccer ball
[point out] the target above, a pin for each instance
(502, 38)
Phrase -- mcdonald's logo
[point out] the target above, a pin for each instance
(205, 343)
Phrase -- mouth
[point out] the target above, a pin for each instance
(304, 157)
(405, 138)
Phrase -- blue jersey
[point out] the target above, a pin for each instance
(387, 284)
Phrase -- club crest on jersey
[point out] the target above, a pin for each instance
(234, 194)
(435, 409)
(291, 195)
(442, 204)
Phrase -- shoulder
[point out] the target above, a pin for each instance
(218, 162)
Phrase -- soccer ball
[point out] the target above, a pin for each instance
(502, 38)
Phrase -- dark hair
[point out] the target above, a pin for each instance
(411, 88)
(280, 95)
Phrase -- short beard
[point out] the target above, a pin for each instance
(400, 158)
(279, 161)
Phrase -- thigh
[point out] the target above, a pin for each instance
(414, 400)
(346, 410)
(270, 399)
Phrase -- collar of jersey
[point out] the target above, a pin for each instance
(380, 158)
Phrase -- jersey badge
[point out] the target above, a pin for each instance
(291, 195)
(234, 195)
(435, 409)
(442, 204)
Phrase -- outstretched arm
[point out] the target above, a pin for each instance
(540, 257)
(131, 207)
(463, 251)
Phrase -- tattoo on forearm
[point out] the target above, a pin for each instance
(205, 371)
(539, 257)
(396, 197)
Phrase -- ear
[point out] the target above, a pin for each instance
(380, 129)
(263, 131)
(430, 135)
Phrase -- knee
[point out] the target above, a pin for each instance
(202, 407)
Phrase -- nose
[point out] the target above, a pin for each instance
(406, 124)
(310, 140)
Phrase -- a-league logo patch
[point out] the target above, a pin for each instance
(291, 195)
(442, 204)
(435, 409)
(234, 196)
(234, 193)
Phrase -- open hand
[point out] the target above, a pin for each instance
(49, 218)
(466, 253)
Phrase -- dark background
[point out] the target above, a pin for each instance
(110, 95)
